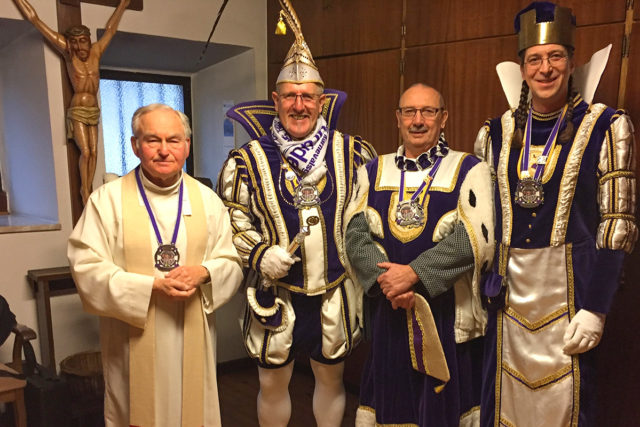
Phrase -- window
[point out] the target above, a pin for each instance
(121, 93)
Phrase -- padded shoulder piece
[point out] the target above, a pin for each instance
(256, 116)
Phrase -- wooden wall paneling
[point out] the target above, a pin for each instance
(337, 27)
(465, 74)
(440, 21)
(591, 39)
(618, 351)
(371, 83)
(632, 103)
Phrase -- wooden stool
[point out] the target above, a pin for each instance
(12, 391)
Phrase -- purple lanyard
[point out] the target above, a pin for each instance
(426, 182)
(542, 160)
(152, 218)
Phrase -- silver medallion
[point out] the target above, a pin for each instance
(289, 175)
(167, 257)
(306, 195)
(529, 193)
(409, 214)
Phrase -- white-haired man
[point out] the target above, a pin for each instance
(152, 256)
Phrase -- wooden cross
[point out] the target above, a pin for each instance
(68, 12)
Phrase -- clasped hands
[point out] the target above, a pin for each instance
(397, 284)
(181, 282)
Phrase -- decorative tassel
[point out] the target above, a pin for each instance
(281, 27)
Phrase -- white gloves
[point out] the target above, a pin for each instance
(276, 262)
(584, 332)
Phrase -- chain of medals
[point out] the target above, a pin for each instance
(167, 255)
(529, 192)
(305, 195)
(410, 213)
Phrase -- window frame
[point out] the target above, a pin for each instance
(183, 81)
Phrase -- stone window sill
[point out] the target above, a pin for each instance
(19, 223)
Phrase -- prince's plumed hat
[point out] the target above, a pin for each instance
(544, 23)
(299, 66)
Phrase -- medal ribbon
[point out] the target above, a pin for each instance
(544, 157)
(426, 182)
(150, 212)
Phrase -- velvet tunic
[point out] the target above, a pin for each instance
(560, 257)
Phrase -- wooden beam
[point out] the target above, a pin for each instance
(134, 5)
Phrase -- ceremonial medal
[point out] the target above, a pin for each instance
(409, 214)
(529, 193)
(306, 195)
(167, 257)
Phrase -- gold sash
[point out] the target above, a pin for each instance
(137, 249)
(427, 355)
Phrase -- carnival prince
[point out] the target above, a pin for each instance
(287, 191)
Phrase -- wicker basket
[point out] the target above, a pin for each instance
(83, 372)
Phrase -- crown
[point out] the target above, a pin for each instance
(544, 23)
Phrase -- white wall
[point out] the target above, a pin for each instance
(23, 84)
(243, 23)
(211, 88)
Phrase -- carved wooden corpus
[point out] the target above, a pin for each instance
(68, 16)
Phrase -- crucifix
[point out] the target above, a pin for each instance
(80, 90)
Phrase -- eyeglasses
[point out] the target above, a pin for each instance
(426, 112)
(307, 98)
(555, 60)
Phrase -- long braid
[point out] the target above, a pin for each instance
(567, 134)
(521, 116)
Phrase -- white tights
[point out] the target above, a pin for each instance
(274, 403)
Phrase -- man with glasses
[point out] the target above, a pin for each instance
(287, 191)
(420, 230)
(565, 200)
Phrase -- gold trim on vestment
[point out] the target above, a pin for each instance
(451, 217)
(498, 385)
(373, 411)
(575, 359)
(541, 383)
(269, 191)
(402, 233)
(502, 172)
(342, 189)
(433, 358)
(570, 174)
(616, 174)
(534, 327)
(137, 247)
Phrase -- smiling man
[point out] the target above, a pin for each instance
(152, 256)
(287, 191)
(565, 200)
(420, 229)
